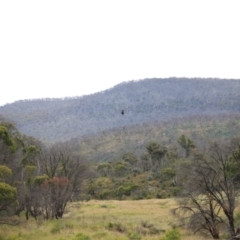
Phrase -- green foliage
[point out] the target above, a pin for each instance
(163, 194)
(168, 173)
(4, 172)
(69, 225)
(187, 144)
(6, 137)
(81, 236)
(233, 165)
(126, 189)
(123, 191)
(99, 235)
(7, 193)
(105, 194)
(56, 228)
(134, 236)
(104, 168)
(116, 227)
(14, 238)
(130, 158)
(173, 234)
(30, 169)
(175, 191)
(38, 180)
(151, 228)
(156, 151)
(237, 218)
(120, 169)
(29, 153)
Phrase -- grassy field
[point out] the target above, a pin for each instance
(103, 220)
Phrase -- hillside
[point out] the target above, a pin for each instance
(144, 101)
(202, 129)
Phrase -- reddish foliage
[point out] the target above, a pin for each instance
(56, 181)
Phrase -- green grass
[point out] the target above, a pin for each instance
(103, 220)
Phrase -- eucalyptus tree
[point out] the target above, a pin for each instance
(187, 144)
(8, 193)
(156, 152)
(65, 173)
(210, 186)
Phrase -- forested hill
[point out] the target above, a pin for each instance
(144, 101)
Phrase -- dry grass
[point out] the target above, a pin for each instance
(104, 220)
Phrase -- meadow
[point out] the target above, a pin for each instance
(104, 220)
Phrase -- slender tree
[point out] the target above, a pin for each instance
(187, 144)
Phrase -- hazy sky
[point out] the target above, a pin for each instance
(71, 48)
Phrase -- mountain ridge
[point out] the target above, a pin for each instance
(144, 101)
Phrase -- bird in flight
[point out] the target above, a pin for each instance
(122, 112)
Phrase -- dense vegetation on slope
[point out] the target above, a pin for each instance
(203, 129)
(144, 101)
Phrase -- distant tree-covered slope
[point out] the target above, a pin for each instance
(144, 101)
(202, 129)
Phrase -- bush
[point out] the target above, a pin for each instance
(81, 236)
(168, 173)
(104, 194)
(172, 234)
(134, 236)
(69, 225)
(56, 228)
(162, 194)
(175, 191)
(127, 189)
(116, 227)
(151, 228)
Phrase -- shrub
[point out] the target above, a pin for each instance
(56, 228)
(105, 194)
(69, 225)
(168, 173)
(126, 189)
(162, 194)
(116, 227)
(152, 229)
(175, 191)
(134, 236)
(146, 224)
(81, 236)
(172, 234)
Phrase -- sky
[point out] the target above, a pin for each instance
(55, 49)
